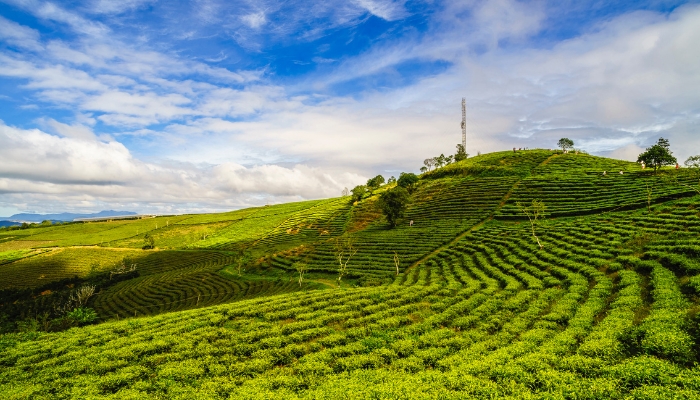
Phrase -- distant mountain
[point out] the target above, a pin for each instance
(8, 223)
(26, 217)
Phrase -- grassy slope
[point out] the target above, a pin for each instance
(603, 311)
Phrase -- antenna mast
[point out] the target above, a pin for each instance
(464, 124)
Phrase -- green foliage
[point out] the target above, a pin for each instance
(408, 181)
(658, 155)
(149, 242)
(693, 162)
(82, 315)
(565, 144)
(376, 182)
(393, 204)
(358, 193)
(461, 154)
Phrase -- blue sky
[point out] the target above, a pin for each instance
(193, 106)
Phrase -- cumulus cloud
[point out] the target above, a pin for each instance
(77, 165)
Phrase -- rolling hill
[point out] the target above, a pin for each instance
(463, 304)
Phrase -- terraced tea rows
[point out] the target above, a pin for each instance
(491, 315)
(584, 195)
(607, 309)
(440, 210)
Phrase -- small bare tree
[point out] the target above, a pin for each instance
(124, 267)
(396, 262)
(80, 296)
(344, 250)
(429, 162)
(650, 190)
(345, 192)
(242, 259)
(301, 269)
(535, 214)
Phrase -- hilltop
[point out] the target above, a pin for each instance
(464, 303)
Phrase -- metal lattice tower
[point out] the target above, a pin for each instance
(464, 123)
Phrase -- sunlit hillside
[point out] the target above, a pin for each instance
(463, 303)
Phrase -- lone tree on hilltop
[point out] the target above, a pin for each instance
(565, 144)
(375, 182)
(461, 153)
(393, 204)
(429, 163)
(408, 181)
(658, 155)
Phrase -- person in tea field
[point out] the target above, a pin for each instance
(410, 223)
(621, 173)
(605, 173)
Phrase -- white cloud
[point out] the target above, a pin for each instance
(254, 20)
(115, 6)
(19, 35)
(78, 167)
(386, 9)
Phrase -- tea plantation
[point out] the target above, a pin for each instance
(463, 304)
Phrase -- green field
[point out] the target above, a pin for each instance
(608, 308)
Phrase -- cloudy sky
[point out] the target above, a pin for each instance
(212, 105)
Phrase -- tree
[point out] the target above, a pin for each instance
(301, 269)
(397, 261)
(429, 163)
(80, 296)
(243, 257)
(344, 250)
(392, 180)
(345, 192)
(535, 213)
(461, 153)
(393, 204)
(423, 170)
(148, 241)
(692, 162)
(408, 181)
(440, 160)
(565, 144)
(375, 182)
(358, 193)
(658, 155)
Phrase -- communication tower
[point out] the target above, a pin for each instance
(464, 123)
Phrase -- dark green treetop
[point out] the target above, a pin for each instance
(393, 204)
(565, 143)
(658, 155)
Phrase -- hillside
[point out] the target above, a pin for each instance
(607, 308)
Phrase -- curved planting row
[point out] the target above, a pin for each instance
(574, 194)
